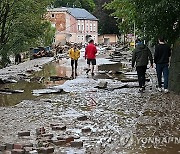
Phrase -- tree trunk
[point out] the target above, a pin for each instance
(174, 71)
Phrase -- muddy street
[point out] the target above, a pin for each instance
(80, 116)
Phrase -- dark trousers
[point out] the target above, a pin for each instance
(17, 58)
(141, 71)
(74, 62)
(162, 69)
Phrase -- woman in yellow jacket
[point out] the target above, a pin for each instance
(74, 54)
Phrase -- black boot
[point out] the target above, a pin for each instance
(76, 72)
(72, 75)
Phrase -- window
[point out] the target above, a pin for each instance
(53, 15)
(94, 27)
(79, 28)
(82, 38)
(90, 27)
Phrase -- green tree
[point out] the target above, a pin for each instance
(89, 5)
(21, 25)
(107, 23)
(124, 11)
(152, 18)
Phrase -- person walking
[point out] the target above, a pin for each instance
(90, 55)
(74, 54)
(161, 59)
(141, 56)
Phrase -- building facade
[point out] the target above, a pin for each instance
(73, 25)
(108, 39)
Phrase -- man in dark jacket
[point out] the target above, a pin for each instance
(161, 59)
(141, 56)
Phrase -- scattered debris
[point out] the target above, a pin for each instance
(47, 91)
(11, 91)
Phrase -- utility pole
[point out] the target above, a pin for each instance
(134, 34)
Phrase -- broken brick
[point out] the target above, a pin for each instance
(18, 146)
(69, 139)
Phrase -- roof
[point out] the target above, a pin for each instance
(77, 13)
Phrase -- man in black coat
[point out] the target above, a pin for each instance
(161, 59)
(141, 56)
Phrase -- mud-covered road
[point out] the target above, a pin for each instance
(101, 121)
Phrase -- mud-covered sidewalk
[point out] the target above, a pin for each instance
(87, 119)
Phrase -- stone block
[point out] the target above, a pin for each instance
(17, 151)
(82, 118)
(102, 84)
(58, 127)
(28, 149)
(52, 125)
(28, 145)
(47, 150)
(47, 135)
(9, 146)
(25, 133)
(33, 152)
(76, 144)
(59, 142)
(2, 147)
(40, 131)
(86, 130)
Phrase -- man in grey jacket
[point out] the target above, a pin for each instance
(141, 56)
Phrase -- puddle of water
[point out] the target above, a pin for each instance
(13, 99)
(52, 69)
(56, 69)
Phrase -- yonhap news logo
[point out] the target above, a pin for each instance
(128, 140)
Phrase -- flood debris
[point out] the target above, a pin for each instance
(86, 130)
(132, 80)
(91, 120)
(2, 81)
(76, 144)
(58, 128)
(57, 78)
(24, 133)
(82, 118)
(102, 84)
(10, 91)
(47, 91)
(8, 80)
(30, 71)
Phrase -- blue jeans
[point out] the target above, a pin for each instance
(162, 68)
